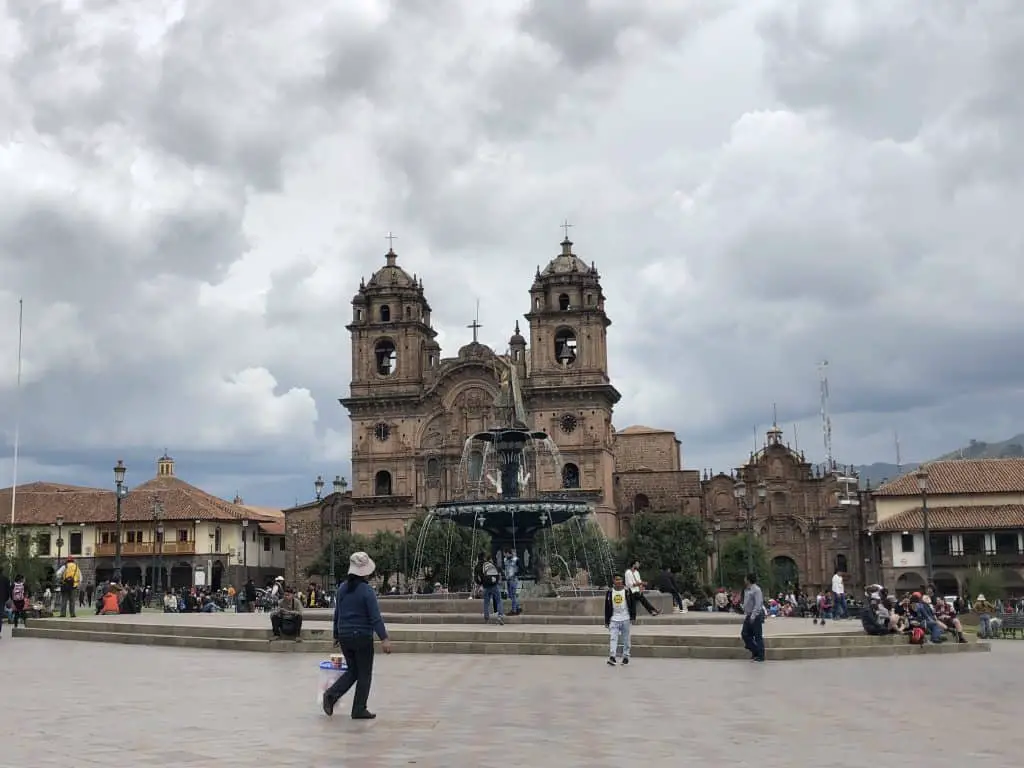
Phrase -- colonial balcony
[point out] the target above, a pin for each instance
(147, 549)
(1004, 560)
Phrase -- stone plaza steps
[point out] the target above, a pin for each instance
(248, 633)
(674, 619)
(532, 606)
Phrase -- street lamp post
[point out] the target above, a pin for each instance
(710, 537)
(158, 545)
(740, 492)
(60, 540)
(122, 490)
(295, 561)
(922, 484)
(245, 553)
(318, 486)
(718, 550)
(209, 562)
(339, 488)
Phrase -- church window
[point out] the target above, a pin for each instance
(382, 483)
(382, 431)
(476, 466)
(408, 313)
(641, 503)
(564, 303)
(538, 303)
(590, 299)
(359, 315)
(386, 357)
(385, 313)
(433, 468)
(565, 346)
(431, 360)
(570, 476)
(568, 423)
(841, 563)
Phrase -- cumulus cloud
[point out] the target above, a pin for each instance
(190, 202)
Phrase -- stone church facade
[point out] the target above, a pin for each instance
(412, 410)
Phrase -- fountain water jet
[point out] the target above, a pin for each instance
(501, 496)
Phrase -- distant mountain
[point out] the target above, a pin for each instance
(881, 471)
(978, 449)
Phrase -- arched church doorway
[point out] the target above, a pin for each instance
(785, 574)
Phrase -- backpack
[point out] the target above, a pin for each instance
(917, 636)
(70, 571)
(490, 574)
(18, 593)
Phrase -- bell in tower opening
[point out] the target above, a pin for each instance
(565, 347)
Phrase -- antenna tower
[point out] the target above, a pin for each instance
(899, 461)
(826, 420)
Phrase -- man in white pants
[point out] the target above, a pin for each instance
(619, 614)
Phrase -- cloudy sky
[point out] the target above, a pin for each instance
(191, 192)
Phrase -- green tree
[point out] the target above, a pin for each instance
(386, 548)
(985, 582)
(441, 551)
(733, 554)
(17, 558)
(576, 545)
(666, 540)
(345, 544)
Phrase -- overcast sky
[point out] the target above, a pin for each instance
(190, 193)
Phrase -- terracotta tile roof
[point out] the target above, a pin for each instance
(272, 527)
(996, 516)
(640, 429)
(41, 503)
(961, 476)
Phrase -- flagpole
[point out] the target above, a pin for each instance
(17, 411)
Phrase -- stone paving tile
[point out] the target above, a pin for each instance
(138, 707)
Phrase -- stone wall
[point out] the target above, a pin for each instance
(669, 491)
(303, 545)
(658, 451)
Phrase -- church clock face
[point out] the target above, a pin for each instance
(382, 432)
(568, 423)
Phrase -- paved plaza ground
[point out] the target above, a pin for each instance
(94, 704)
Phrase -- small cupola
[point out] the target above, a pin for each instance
(165, 466)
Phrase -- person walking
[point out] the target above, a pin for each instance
(619, 615)
(839, 590)
(490, 579)
(753, 619)
(69, 577)
(5, 595)
(356, 620)
(511, 562)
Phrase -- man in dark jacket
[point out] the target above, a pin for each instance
(5, 595)
(666, 583)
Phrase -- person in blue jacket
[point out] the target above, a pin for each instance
(356, 620)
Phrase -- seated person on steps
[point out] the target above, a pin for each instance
(286, 619)
(876, 618)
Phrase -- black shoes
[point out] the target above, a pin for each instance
(611, 661)
(328, 706)
(625, 661)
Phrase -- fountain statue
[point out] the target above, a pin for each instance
(498, 477)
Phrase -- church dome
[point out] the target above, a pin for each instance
(567, 263)
(391, 275)
(475, 349)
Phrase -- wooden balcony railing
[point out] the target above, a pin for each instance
(971, 561)
(147, 549)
